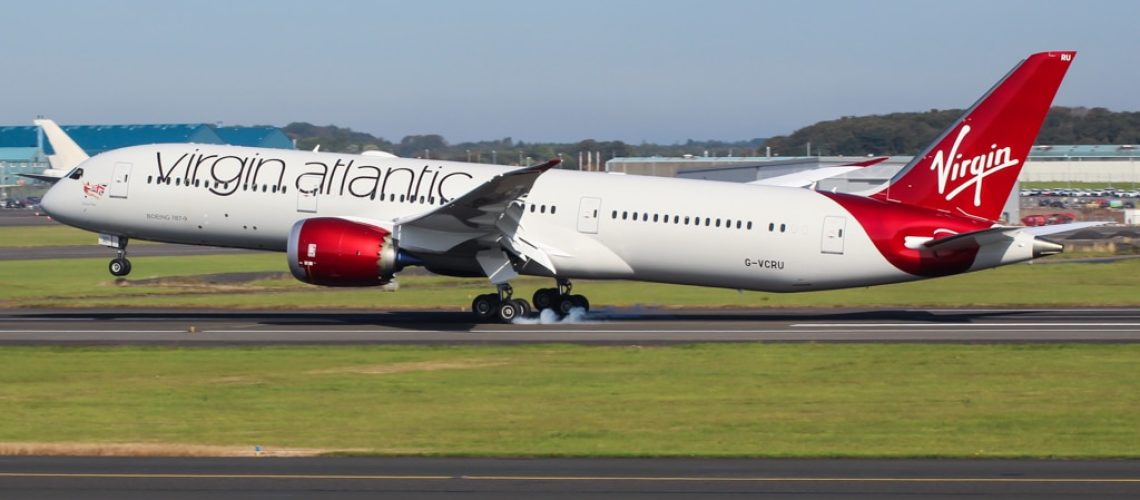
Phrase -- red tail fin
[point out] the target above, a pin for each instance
(971, 168)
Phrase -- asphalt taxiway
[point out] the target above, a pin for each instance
(610, 326)
(219, 479)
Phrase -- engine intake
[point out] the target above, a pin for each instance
(331, 251)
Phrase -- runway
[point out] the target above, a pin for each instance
(611, 326)
(106, 478)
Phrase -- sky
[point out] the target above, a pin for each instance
(659, 71)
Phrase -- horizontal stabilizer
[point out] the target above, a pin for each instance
(972, 239)
(1062, 228)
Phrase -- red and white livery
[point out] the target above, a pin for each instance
(357, 220)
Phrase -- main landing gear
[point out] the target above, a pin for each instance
(504, 308)
(120, 266)
(560, 299)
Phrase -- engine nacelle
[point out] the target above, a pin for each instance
(330, 251)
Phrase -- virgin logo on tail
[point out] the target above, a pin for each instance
(951, 168)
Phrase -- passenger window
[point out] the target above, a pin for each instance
(718, 223)
(645, 217)
(533, 208)
(624, 215)
(686, 220)
(654, 217)
(782, 227)
(614, 215)
(771, 226)
(552, 208)
(542, 209)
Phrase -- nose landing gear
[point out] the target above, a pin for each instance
(120, 266)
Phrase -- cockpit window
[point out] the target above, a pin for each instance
(75, 174)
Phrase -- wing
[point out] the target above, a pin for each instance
(808, 178)
(488, 214)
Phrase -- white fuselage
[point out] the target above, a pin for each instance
(592, 225)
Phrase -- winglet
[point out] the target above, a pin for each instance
(542, 167)
(867, 163)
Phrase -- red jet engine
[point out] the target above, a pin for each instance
(331, 251)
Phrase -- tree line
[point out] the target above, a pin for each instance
(504, 151)
(907, 133)
(889, 134)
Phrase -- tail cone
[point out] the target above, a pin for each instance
(1043, 248)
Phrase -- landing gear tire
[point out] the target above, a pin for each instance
(485, 307)
(119, 267)
(570, 302)
(523, 306)
(511, 309)
(581, 301)
(545, 298)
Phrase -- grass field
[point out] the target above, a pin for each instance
(175, 282)
(697, 400)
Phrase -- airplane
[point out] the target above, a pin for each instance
(67, 155)
(353, 220)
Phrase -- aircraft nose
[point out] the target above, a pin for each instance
(52, 202)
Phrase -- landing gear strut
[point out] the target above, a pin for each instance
(560, 299)
(120, 266)
(501, 305)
